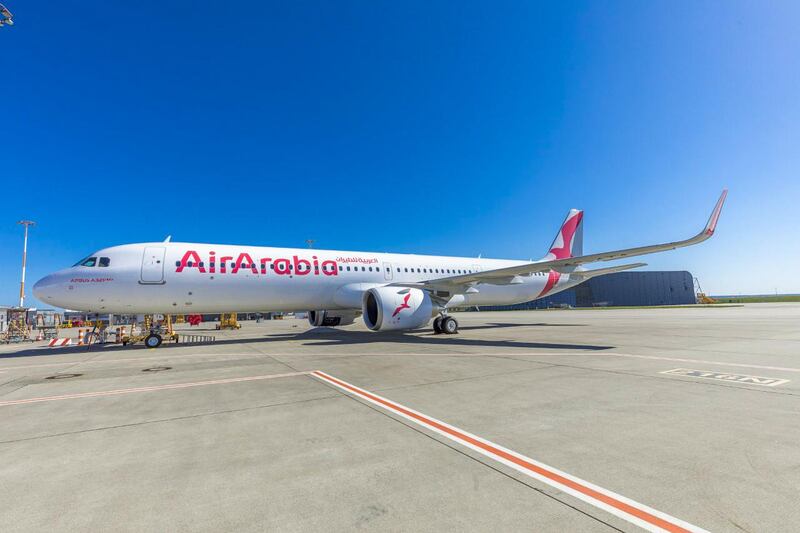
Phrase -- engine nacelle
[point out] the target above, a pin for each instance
(393, 308)
(331, 318)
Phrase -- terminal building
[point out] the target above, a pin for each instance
(619, 289)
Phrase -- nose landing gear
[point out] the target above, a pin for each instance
(445, 324)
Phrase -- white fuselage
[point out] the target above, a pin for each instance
(188, 278)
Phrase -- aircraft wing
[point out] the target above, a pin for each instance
(506, 275)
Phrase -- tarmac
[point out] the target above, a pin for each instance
(563, 420)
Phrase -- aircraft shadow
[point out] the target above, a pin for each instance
(333, 337)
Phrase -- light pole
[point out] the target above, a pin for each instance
(25, 223)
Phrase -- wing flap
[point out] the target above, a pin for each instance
(587, 274)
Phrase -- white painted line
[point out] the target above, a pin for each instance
(153, 388)
(616, 504)
(704, 362)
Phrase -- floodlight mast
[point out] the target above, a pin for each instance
(6, 18)
(26, 224)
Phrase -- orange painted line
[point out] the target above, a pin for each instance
(153, 388)
(625, 508)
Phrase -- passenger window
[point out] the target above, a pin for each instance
(363, 269)
(90, 262)
(178, 263)
(348, 269)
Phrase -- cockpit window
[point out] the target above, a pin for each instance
(89, 262)
(104, 262)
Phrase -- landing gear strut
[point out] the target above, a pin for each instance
(445, 324)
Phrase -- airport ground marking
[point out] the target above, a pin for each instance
(153, 388)
(704, 362)
(634, 512)
(725, 376)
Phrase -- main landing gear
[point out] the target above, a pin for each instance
(445, 324)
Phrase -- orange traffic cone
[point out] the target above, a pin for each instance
(80, 337)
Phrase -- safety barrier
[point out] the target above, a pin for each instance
(196, 339)
(58, 343)
(119, 333)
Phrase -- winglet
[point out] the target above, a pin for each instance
(712, 221)
(168, 239)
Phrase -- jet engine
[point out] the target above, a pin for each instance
(331, 318)
(394, 308)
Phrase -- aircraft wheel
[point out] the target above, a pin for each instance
(437, 325)
(449, 325)
(153, 340)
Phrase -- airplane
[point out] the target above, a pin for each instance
(390, 292)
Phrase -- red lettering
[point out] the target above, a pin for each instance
(301, 271)
(223, 263)
(190, 256)
(264, 261)
(282, 266)
(212, 267)
(244, 261)
(332, 271)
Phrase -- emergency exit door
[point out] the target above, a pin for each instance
(153, 264)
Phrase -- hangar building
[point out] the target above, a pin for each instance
(619, 289)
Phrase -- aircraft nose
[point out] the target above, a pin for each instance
(42, 287)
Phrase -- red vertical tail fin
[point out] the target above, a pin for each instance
(569, 240)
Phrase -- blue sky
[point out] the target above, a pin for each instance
(450, 128)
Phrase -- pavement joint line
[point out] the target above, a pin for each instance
(153, 388)
(634, 512)
(127, 360)
(455, 354)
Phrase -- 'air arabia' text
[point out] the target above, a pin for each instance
(285, 267)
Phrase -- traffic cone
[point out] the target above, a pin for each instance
(80, 337)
